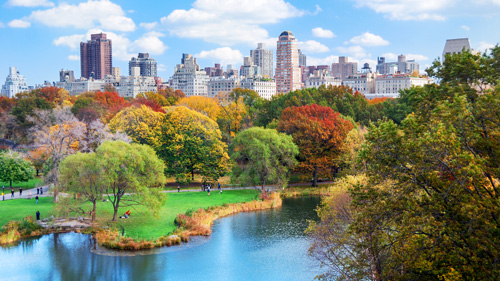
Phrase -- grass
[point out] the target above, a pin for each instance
(33, 183)
(140, 225)
(20, 208)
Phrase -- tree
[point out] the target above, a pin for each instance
(13, 168)
(262, 156)
(319, 132)
(141, 124)
(231, 115)
(81, 173)
(191, 142)
(133, 169)
(204, 105)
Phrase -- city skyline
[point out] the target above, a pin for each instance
(43, 36)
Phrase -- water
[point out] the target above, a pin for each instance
(265, 245)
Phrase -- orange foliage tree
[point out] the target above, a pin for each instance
(319, 132)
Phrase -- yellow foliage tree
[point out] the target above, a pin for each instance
(203, 105)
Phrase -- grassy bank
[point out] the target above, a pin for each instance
(306, 190)
(33, 183)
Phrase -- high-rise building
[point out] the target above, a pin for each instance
(455, 46)
(14, 84)
(66, 76)
(147, 65)
(188, 77)
(401, 66)
(215, 71)
(302, 59)
(264, 59)
(288, 72)
(344, 68)
(248, 69)
(96, 57)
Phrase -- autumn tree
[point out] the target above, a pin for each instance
(191, 142)
(262, 156)
(133, 169)
(14, 168)
(204, 105)
(231, 115)
(319, 132)
(172, 96)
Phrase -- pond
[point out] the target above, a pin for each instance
(264, 245)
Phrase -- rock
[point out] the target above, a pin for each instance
(45, 220)
(72, 218)
(173, 236)
(81, 218)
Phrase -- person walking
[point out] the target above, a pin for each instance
(12, 193)
(37, 190)
(178, 188)
(20, 191)
(37, 215)
(220, 189)
(36, 199)
(208, 189)
(41, 190)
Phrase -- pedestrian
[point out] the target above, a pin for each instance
(37, 190)
(220, 189)
(12, 193)
(36, 199)
(208, 189)
(37, 215)
(20, 191)
(178, 188)
(41, 190)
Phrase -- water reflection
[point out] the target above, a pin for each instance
(265, 245)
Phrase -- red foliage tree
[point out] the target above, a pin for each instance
(149, 103)
(319, 132)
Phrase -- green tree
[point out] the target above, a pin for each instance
(192, 142)
(14, 168)
(134, 169)
(262, 156)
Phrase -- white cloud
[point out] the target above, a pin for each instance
(408, 9)
(148, 25)
(484, 46)
(322, 61)
(19, 24)
(30, 3)
(72, 41)
(312, 46)
(228, 22)
(223, 55)
(465, 27)
(150, 43)
(91, 14)
(369, 39)
(354, 51)
(162, 67)
(322, 33)
(74, 57)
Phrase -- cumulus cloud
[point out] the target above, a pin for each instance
(369, 39)
(72, 41)
(484, 46)
(408, 9)
(322, 61)
(465, 27)
(91, 14)
(19, 24)
(150, 43)
(162, 67)
(354, 51)
(312, 46)
(228, 22)
(148, 25)
(74, 57)
(30, 3)
(322, 33)
(223, 55)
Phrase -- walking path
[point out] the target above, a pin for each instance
(26, 193)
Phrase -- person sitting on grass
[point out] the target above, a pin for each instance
(126, 215)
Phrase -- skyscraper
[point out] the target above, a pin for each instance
(14, 84)
(147, 65)
(288, 73)
(344, 68)
(96, 57)
(264, 59)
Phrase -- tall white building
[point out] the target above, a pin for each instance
(264, 59)
(14, 83)
(82, 85)
(265, 87)
(401, 66)
(361, 82)
(321, 77)
(189, 79)
(392, 84)
(248, 69)
(219, 84)
(288, 73)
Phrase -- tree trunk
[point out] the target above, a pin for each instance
(56, 195)
(93, 210)
(192, 174)
(10, 184)
(315, 177)
(115, 207)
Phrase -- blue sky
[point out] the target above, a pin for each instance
(40, 37)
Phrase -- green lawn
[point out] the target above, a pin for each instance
(140, 224)
(33, 183)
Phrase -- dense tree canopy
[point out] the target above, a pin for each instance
(14, 168)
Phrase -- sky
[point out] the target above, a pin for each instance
(41, 37)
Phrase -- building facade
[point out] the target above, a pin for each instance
(222, 84)
(14, 83)
(321, 77)
(188, 77)
(265, 87)
(392, 84)
(263, 58)
(248, 69)
(147, 65)
(96, 59)
(344, 68)
(288, 72)
(401, 66)
(455, 46)
(361, 82)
